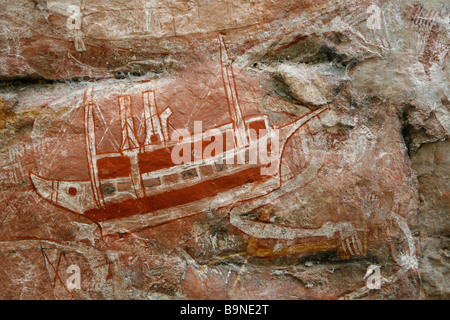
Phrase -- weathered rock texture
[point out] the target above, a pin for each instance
(370, 176)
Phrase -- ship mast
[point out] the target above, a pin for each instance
(234, 108)
(130, 144)
(91, 150)
(153, 127)
(129, 140)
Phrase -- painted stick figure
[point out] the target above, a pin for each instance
(153, 24)
(74, 24)
(374, 21)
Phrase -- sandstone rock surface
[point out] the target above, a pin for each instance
(90, 90)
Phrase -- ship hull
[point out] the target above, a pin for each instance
(165, 200)
(148, 211)
(211, 201)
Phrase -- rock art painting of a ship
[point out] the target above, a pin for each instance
(141, 186)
